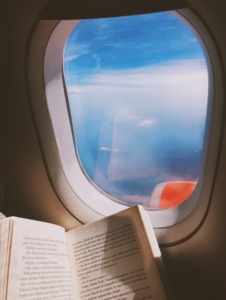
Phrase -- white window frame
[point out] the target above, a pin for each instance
(82, 198)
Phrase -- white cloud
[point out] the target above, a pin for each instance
(78, 50)
(71, 57)
(184, 74)
(138, 95)
(107, 149)
(147, 122)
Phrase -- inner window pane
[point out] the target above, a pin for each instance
(137, 89)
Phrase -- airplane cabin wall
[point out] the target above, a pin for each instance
(198, 266)
(21, 157)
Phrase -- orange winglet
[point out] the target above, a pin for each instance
(176, 192)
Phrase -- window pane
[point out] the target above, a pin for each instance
(137, 90)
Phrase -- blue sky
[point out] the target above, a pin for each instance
(138, 90)
(128, 42)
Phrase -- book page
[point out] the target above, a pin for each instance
(39, 264)
(5, 244)
(112, 259)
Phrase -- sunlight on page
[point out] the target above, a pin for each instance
(112, 259)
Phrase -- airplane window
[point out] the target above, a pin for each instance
(137, 89)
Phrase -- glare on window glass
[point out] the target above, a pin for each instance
(137, 89)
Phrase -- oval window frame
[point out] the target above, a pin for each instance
(45, 57)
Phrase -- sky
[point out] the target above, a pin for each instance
(138, 89)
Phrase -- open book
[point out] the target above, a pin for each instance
(115, 258)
